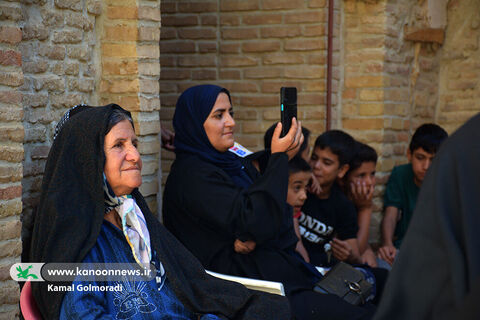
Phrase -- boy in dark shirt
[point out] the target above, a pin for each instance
(328, 222)
(403, 186)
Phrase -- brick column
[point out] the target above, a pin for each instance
(11, 154)
(130, 72)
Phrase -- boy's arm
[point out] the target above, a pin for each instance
(368, 257)
(364, 216)
(297, 228)
(300, 247)
(362, 197)
(346, 250)
(388, 251)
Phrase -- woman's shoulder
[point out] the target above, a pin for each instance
(190, 166)
(188, 163)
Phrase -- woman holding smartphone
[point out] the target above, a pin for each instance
(233, 220)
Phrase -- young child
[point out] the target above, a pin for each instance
(359, 185)
(403, 186)
(299, 178)
(328, 222)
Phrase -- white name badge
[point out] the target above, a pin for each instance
(240, 150)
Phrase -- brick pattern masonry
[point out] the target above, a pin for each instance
(11, 152)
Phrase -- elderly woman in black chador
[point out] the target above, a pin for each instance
(91, 211)
(233, 220)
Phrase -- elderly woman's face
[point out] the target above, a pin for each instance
(220, 125)
(123, 164)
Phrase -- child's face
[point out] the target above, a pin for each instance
(326, 166)
(421, 161)
(297, 189)
(365, 174)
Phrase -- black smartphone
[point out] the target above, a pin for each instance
(288, 107)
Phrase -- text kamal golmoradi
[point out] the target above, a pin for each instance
(84, 287)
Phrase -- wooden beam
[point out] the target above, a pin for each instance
(425, 35)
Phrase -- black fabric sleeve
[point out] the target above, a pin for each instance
(202, 293)
(347, 224)
(258, 211)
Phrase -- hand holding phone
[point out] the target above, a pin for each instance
(288, 107)
(290, 144)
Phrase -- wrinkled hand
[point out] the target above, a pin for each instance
(314, 186)
(341, 249)
(302, 251)
(361, 194)
(167, 139)
(244, 247)
(387, 253)
(291, 142)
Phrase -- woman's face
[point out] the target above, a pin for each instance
(220, 125)
(123, 164)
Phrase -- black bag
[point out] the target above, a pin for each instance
(346, 282)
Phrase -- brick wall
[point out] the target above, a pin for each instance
(53, 55)
(364, 105)
(130, 73)
(11, 153)
(253, 48)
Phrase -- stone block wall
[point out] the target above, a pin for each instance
(60, 65)
(253, 48)
(11, 152)
(459, 60)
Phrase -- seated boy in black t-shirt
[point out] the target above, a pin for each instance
(328, 221)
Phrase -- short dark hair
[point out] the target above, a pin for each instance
(429, 137)
(117, 116)
(364, 153)
(267, 138)
(298, 164)
(340, 143)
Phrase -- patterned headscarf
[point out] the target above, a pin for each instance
(134, 226)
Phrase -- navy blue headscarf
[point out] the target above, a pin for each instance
(193, 108)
